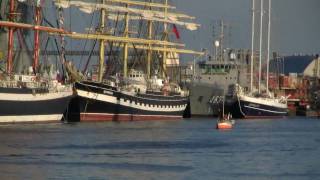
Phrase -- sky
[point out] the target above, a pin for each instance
(295, 24)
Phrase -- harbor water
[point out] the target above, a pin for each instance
(184, 149)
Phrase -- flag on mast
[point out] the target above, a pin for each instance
(176, 32)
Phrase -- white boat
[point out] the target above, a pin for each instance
(255, 104)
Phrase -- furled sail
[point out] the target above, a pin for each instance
(173, 18)
(118, 10)
(121, 39)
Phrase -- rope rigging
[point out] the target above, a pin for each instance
(86, 41)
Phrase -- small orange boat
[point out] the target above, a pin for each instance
(225, 122)
(224, 125)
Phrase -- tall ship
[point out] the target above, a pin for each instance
(140, 89)
(257, 102)
(212, 77)
(28, 92)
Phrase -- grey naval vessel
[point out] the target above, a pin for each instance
(212, 76)
(211, 79)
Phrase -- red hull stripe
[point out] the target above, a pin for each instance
(124, 117)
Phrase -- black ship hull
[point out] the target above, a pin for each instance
(25, 105)
(99, 102)
(251, 109)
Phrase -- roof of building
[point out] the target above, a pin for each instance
(292, 64)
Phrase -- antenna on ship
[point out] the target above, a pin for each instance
(218, 43)
(221, 40)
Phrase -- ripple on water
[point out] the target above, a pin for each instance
(258, 149)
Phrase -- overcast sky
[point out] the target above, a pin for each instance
(295, 24)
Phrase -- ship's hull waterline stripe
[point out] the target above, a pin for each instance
(31, 118)
(277, 112)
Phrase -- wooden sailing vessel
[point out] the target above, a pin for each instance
(131, 94)
(33, 96)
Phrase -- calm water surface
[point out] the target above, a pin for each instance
(187, 149)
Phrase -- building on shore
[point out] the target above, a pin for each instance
(297, 77)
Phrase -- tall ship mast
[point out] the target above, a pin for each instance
(34, 93)
(141, 89)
